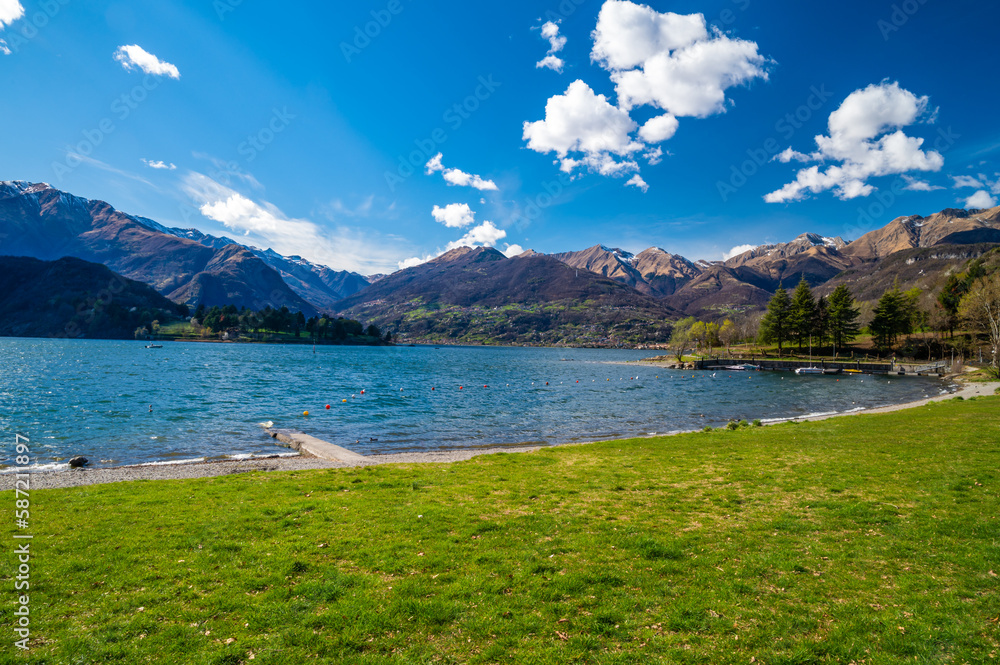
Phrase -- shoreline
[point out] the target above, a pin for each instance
(208, 469)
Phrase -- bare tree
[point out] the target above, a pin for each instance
(980, 308)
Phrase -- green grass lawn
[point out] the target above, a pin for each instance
(868, 539)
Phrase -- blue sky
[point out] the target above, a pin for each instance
(316, 131)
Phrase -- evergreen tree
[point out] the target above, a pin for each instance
(821, 321)
(892, 319)
(802, 315)
(774, 327)
(842, 317)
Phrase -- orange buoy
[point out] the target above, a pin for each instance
(328, 406)
(432, 388)
(546, 383)
(343, 400)
(305, 413)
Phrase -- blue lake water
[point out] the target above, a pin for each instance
(92, 397)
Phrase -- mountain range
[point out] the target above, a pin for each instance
(479, 294)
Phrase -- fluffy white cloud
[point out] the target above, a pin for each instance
(158, 164)
(627, 34)
(3, 48)
(638, 182)
(263, 224)
(582, 121)
(513, 250)
(10, 11)
(916, 185)
(658, 129)
(134, 56)
(671, 61)
(415, 261)
(668, 61)
(457, 177)
(980, 199)
(736, 251)
(454, 215)
(866, 137)
(550, 31)
(484, 235)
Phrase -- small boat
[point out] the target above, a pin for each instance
(809, 370)
(154, 346)
(743, 368)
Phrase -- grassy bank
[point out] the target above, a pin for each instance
(869, 539)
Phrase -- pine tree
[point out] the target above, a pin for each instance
(821, 321)
(774, 326)
(892, 319)
(803, 313)
(843, 317)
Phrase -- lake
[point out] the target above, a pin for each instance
(93, 397)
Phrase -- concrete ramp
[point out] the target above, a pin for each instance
(313, 446)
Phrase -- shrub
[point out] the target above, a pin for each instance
(757, 423)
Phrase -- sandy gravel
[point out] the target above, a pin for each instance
(77, 477)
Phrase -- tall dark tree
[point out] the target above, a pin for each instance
(821, 321)
(802, 314)
(842, 317)
(774, 327)
(892, 319)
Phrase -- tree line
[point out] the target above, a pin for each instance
(325, 327)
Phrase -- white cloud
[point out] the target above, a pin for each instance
(550, 31)
(10, 11)
(658, 129)
(484, 235)
(637, 181)
(457, 177)
(454, 215)
(157, 164)
(513, 250)
(133, 56)
(581, 121)
(263, 224)
(3, 48)
(415, 261)
(671, 61)
(980, 199)
(736, 251)
(553, 62)
(966, 181)
(866, 137)
(627, 34)
(668, 61)
(916, 185)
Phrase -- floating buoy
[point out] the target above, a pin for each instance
(460, 387)
(362, 392)
(343, 400)
(432, 388)
(546, 383)
(328, 406)
(578, 380)
(485, 386)
(305, 413)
